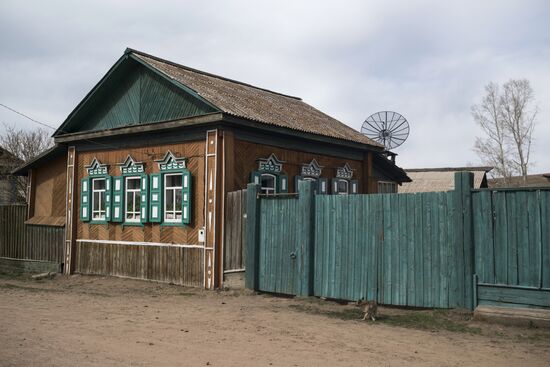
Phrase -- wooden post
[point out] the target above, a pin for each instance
(464, 182)
(306, 237)
(71, 211)
(252, 237)
(213, 267)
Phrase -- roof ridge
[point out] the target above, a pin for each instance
(131, 50)
(449, 169)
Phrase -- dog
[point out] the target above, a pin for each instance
(370, 308)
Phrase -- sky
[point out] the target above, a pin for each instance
(427, 60)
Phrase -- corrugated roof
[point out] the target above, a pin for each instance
(442, 179)
(253, 103)
(540, 180)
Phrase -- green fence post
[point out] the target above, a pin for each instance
(464, 182)
(306, 237)
(252, 237)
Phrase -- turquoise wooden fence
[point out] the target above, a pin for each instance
(512, 246)
(445, 250)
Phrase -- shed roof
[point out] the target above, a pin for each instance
(247, 101)
(538, 180)
(439, 179)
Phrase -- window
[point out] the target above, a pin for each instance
(98, 199)
(172, 197)
(133, 199)
(268, 184)
(342, 187)
(385, 187)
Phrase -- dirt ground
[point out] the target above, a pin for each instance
(91, 321)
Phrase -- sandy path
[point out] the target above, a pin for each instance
(90, 321)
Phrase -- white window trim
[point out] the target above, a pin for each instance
(135, 192)
(268, 190)
(175, 211)
(102, 208)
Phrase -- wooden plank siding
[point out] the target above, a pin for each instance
(28, 242)
(149, 232)
(247, 153)
(158, 262)
(234, 231)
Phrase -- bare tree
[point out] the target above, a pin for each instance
(23, 145)
(507, 121)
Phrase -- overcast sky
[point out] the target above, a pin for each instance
(428, 60)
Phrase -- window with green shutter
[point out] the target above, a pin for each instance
(270, 176)
(144, 196)
(96, 193)
(172, 202)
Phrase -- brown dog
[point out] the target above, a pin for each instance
(370, 308)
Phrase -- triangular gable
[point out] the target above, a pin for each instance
(131, 166)
(345, 172)
(171, 162)
(311, 169)
(133, 93)
(270, 164)
(96, 168)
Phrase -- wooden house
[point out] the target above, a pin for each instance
(440, 179)
(9, 193)
(142, 167)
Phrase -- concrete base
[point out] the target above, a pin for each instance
(234, 280)
(8, 265)
(514, 316)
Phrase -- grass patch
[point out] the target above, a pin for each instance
(423, 320)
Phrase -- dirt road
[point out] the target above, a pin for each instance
(95, 321)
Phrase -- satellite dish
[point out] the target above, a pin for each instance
(387, 128)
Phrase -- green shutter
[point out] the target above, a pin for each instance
(282, 184)
(354, 187)
(255, 177)
(108, 197)
(155, 198)
(296, 180)
(118, 199)
(334, 186)
(144, 199)
(186, 201)
(322, 186)
(85, 199)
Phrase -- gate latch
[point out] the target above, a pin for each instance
(292, 255)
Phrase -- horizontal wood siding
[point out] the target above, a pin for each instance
(494, 295)
(235, 229)
(170, 264)
(30, 242)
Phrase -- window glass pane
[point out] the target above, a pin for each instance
(178, 200)
(102, 206)
(268, 181)
(96, 201)
(342, 186)
(173, 180)
(169, 200)
(133, 183)
(137, 200)
(129, 201)
(99, 184)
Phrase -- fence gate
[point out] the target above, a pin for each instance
(280, 255)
